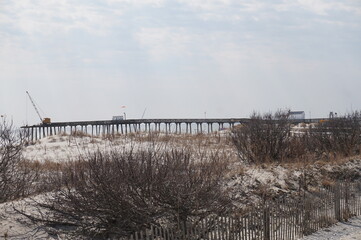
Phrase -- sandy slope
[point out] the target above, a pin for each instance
(16, 226)
(350, 230)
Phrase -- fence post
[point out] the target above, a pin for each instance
(337, 202)
(347, 212)
(266, 222)
(306, 221)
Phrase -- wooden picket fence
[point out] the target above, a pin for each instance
(273, 220)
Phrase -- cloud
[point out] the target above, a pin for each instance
(137, 3)
(223, 10)
(240, 10)
(206, 5)
(219, 5)
(324, 7)
(54, 17)
(163, 43)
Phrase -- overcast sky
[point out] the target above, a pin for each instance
(85, 59)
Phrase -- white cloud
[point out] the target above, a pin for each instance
(138, 3)
(206, 5)
(230, 9)
(319, 7)
(217, 5)
(37, 17)
(223, 10)
(162, 43)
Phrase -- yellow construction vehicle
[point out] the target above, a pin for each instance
(46, 120)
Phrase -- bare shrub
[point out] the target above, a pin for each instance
(49, 174)
(338, 136)
(15, 179)
(192, 189)
(79, 133)
(114, 194)
(266, 138)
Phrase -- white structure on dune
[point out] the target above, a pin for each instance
(297, 115)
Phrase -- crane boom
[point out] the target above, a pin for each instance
(45, 120)
(36, 109)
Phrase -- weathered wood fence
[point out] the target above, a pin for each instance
(273, 220)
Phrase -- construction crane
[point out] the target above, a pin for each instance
(43, 120)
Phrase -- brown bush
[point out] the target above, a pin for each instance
(116, 193)
(15, 179)
(338, 136)
(267, 138)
